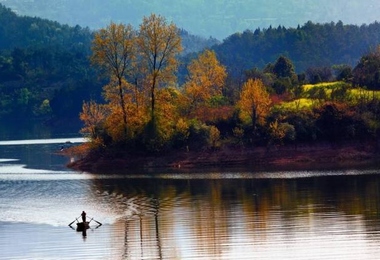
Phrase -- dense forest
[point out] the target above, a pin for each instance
(147, 110)
(45, 72)
(310, 45)
(215, 18)
(316, 82)
(44, 67)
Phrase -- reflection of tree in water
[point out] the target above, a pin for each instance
(161, 215)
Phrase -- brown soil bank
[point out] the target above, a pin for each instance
(301, 157)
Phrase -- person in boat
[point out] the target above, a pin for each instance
(83, 216)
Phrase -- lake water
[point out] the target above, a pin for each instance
(211, 215)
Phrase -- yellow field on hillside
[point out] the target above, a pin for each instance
(314, 94)
(326, 85)
(301, 103)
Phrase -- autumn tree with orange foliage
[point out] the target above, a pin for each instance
(159, 45)
(139, 66)
(205, 81)
(137, 115)
(254, 103)
(143, 104)
(114, 51)
(93, 116)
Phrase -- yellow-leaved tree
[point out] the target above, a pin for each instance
(254, 103)
(205, 81)
(93, 116)
(137, 115)
(159, 44)
(114, 51)
(166, 111)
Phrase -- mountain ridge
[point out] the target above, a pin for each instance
(214, 18)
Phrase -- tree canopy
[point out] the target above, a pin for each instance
(244, 90)
(309, 45)
(46, 65)
(160, 45)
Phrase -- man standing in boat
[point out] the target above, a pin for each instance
(83, 216)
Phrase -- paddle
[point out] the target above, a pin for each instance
(98, 222)
(95, 221)
(73, 221)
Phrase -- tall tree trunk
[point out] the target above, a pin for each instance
(153, 102)
(254, 119)
(122, 104)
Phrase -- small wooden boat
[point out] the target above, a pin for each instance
(81, 226)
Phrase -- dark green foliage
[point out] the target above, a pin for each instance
(281, 85)
(44, 68)
(199, 135)
(279, 77)
(152, 138)
(343, 72)
(336, 122)
(316, 75)
(283, 68)
(23, 32)
(266, 76)
(51, 61)
(310, 45)
(367, 72)
(302, 121)
(45, 73)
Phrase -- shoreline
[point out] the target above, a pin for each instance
(290, 157)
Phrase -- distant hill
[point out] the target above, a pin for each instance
(26, 31)
(216, 18)
(309, 45)
(45, 69)
(44, 64)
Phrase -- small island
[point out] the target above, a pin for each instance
(304, 157)
(153, 95)
(275, 118)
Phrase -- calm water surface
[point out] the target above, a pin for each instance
(235, 215)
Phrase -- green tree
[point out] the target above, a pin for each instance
(284, 68)
(367, 72)
(316, 75)
(335, 121)
(343, 72)
(280, 132)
